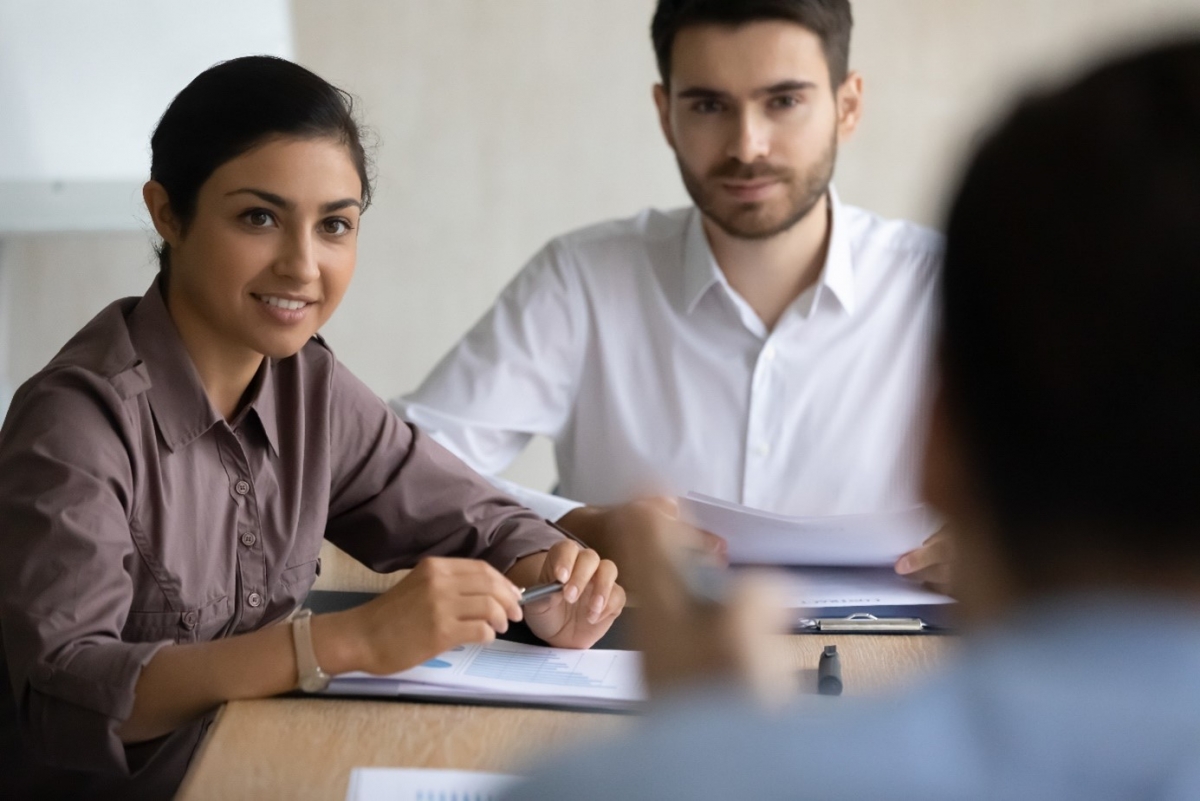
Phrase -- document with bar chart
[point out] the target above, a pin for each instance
(419, 784)
(513, 673)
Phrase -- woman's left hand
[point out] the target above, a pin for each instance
(590, 600)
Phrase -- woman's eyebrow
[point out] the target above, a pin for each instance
(287, 205)
(270, 197)
(337, 205)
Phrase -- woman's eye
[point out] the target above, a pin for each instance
(337, 227)
(259, 218)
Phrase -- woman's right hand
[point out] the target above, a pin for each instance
(441, 604)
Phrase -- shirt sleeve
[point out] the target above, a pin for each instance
(513, 376)
(65, 496)
(397, 495)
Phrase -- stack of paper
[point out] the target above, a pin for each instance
(846, 587)
(764, 538)
(844, 561)
(509, 672)
(418, 784)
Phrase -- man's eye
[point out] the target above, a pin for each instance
(706, 107)
(785, 101)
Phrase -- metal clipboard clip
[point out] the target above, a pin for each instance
(860, 622)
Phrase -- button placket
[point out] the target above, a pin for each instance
(757, 445)
(248, 531)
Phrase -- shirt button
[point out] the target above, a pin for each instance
(248, 538)
(768, 353)
(189, 620)
(763, 449)
(254, 599)
(242, 487)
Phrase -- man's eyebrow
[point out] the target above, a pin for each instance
(276, 200)
(785, 86)
(702, 92)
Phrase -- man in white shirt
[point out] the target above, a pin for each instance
(768, 346)
(1065, 441)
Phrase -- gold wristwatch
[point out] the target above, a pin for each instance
(312, 678)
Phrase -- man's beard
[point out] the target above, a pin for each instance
(753, 220)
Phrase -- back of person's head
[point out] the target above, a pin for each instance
(236, 105)
(830, 20)
(1071, 342)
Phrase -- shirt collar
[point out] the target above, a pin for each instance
(701, 271)
(182, 410)
(838, 273)
(263, 403)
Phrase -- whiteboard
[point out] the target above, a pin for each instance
(82, 83)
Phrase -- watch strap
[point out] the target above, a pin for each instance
(311, 678)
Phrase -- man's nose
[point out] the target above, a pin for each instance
(751, 140)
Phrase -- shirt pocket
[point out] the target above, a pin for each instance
(194, 624)
(296, 581)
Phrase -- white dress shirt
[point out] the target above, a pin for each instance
(1076, 699)
(625, 344)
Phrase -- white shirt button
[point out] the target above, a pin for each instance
(768, 353)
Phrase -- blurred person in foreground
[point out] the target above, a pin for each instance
(1065, 443)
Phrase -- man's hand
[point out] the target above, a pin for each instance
(604, 527)
(931, 564)
(690, 640)
(590, 601)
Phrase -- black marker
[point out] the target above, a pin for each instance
(829, 672)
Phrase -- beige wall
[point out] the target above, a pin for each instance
(503, 122)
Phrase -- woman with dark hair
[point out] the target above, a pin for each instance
(167, 480)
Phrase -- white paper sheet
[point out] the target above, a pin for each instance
(419, 784)
(510, 672)
(824, 587)
(764, 538)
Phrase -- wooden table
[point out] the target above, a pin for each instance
(302, 748)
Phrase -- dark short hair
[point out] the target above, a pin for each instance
(830, 20)
(1071, 302)
(236, 105)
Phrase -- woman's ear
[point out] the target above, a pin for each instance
(158, 204)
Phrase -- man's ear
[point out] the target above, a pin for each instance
(158, 204)
(849, 99)
(662, 100)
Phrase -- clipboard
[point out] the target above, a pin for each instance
(929, 619)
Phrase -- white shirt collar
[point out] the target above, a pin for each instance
(701, 271)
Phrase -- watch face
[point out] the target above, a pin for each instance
(315, 682)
